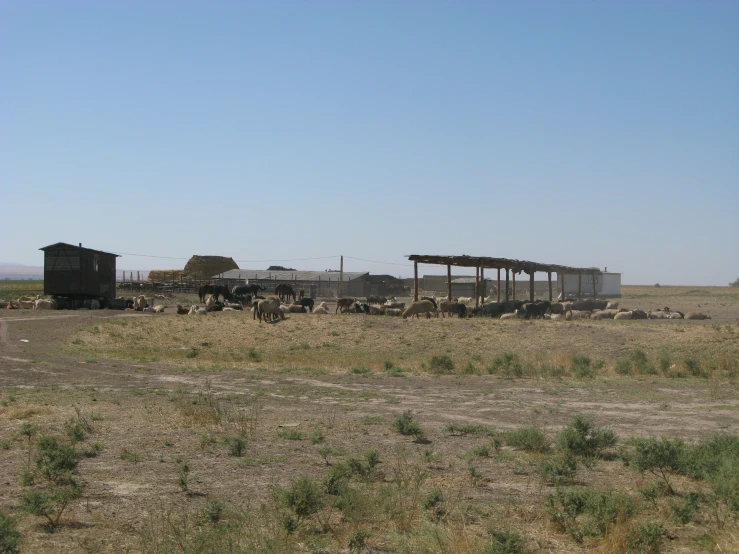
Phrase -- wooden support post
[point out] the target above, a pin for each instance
(514, 285)
(415, 280)
(483, 285)
(341, 278)
(449, 282)
(594, 291)
(507, 288)
(531, 285)
(579, 286)
(498, 284)
(549, 278)
(477, 287)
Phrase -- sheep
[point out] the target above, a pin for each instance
(209, 301)
(233, 305)
(451, 308)
(676, 315)
(696, 315)
(638, 314)
(27, 304)
(556, 317)
(197, 310)
(297, 309)
(394, 305)
(345, 304)
(320, 310)
(149, 310)
(94, 304)
(577, 314)
(267, 308)
(612, 305)
(466, 300)
(284, 308)
(377, 310)
(182, 310)
(139, 303)
(159, 309)
(622, 315)
(514, 315)
(394, 312)
(419, 307)
(50, 304)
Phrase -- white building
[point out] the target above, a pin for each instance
(607, 284)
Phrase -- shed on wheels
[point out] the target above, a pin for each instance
(76, 272)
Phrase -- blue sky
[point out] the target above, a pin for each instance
(580, 133)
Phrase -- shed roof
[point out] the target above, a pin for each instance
(484, 261)
(467, 280)
(60, 245)
(324, 276)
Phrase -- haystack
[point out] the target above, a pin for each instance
(202, 268)
(165, 275)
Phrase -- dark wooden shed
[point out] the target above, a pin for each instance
(77, 272)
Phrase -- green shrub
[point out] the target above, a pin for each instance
(51, 502)
(641, 363)
(441, 364)
(664, 363)
(290, 434)
(558, 469)
(694, 368)
(303, 498)
(645, 539)
(587, 513)
(55, 460)
(212, 512)
(470, 429)
(504, 542)
(236, 446)
(660, 457)
(507, 365)
(480, 451)
(358, 541)
(685, 509)
(581, 367)
(336, 478)
(183, 477)
(10, 537)
(407, 426)
(531, 439)
(623, 367)
(583, 438)
(78, 427)
(548, 370)
(365, 371)
(317, 437)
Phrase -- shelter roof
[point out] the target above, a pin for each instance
(483, 261)
(323, 276)
(64, 245)
(468, 280)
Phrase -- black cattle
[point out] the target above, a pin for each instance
(535, 309)
(217, 307)
(242, 290)
(306, 303)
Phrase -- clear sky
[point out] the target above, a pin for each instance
(579, 133)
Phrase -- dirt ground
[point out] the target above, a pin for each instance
(164, 389)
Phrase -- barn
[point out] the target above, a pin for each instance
(76, 272)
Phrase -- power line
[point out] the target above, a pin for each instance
(377, 261)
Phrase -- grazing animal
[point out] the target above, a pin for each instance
(297, 309)
(242, 290)
(377, 310)
(233, 306)
(182, 310)
(285, 292)
(535, 309)
(217, 307)
(49, 304)
(452, 308)
(159, 309)
(696, 315)
(376, 299)
(658, 314)
(27, 304)
(512, 315)
(322, 309)
(269, 311)
(210, 301)
(301, 294)
(622, 315)
(676, 315)
(638, 314)
(139, 303)
(602, 314)
(466, 300)
(419, 307)
(557, 308)
(307, 303)
(394, 305)
(612, 305)
(395, 312)
(557, 317)
(344, 304)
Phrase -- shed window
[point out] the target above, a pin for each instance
(96, 262)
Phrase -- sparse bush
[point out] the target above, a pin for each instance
(10, 537)
(253, 355)
(734, 284)
(441, 364)
(51, 502)
(508, 365)
(55, 460)
(480, 451)
(358, 540)
(504, 542)
(470, 429)
(685, 509)
(583, 438)
(581, 367)
(645, 539)
(183, 477)
(235, 445)
(290, 434)
(531, 439)
(78, 427)
(303, 498)
(664, 363)
(587, 513)
(642, 363)
(317, 437)
(660, 457)
(623, 367)
(212, 512)
(558, 469)
(407, 426)
(365, 371)
(694, 368)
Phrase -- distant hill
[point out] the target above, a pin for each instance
(11, 270)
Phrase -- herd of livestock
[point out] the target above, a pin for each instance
(286, 300)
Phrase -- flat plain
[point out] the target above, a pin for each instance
(217, 433)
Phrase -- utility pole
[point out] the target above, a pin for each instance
(341, 277)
